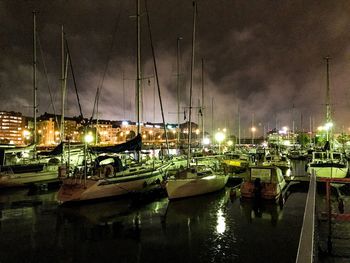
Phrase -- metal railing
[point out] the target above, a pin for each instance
(306, 249)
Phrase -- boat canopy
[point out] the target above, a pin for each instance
(132, 145)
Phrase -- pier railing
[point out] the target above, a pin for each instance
(306, 249)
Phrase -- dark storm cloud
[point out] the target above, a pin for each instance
(264, 56)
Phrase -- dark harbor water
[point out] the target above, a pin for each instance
(211, 228)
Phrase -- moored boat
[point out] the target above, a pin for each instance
(278, 160)
(19, 167)
(111, 182)
(328, 164)
(237, 162)
(193, 181)
(265, 182)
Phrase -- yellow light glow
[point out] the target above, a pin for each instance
(206, 141)
(219, 136)
(26, 133)
(88, 138)
(328, 126)
(221, 224)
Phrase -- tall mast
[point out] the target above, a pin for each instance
(293, 123)
(310, 130)
(35, 88)
(63, 94)
(191, 83)
(202, 107)
(212, 118)
(178, 87)
(328, 105)
(239, 125)
(138, 77)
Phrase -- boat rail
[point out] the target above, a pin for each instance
(306, 250)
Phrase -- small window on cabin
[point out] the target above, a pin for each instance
(336, 156)
(318, 156)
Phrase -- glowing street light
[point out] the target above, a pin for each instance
(328, 125)
(253, 129)
(88, 138)
(220, 137)
(206, 141)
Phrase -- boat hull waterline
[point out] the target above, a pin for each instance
(76, 190)
(328, 172)
(181, 188)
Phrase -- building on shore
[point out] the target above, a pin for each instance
(12, 128)
(18, 130)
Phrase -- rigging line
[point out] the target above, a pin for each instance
(156, 73)
(99, 87)
(74, 80)
(47, 79)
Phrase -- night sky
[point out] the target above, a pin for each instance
(260, 56)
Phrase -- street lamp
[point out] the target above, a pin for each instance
(219, 136)
(253, 129)
(206, 141)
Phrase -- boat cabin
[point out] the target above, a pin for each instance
(327, 156)
(264, 182)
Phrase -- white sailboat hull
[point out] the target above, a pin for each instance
(73, 190)
(181, 188)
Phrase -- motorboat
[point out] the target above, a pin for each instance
(328, 164)
(193, 181)
(237, 162)
(279, 160)
(265, 182)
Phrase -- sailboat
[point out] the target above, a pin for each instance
(23, 166)
(328, 163)
(195, 179)
(109, 176)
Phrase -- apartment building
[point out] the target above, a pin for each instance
(11, 127)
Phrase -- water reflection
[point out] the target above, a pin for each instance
(221, 224)
(260, 209)
(209, 228)
(204, 226)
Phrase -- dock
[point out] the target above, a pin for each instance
(325, 232)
